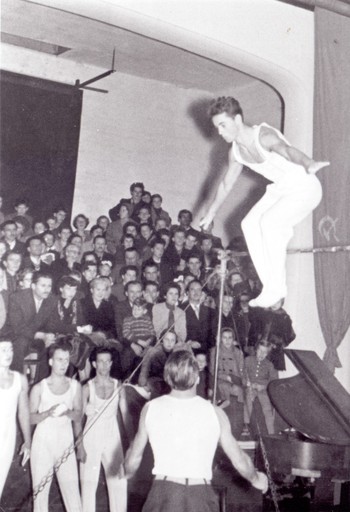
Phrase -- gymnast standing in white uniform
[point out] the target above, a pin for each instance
(293, 194)
(56, 403)
(101, 440)
(13, 397)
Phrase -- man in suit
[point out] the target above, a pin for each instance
(200, 319)
(166, 273)
(30, 313)
(35, 247)
(134, 203)
(9, 233)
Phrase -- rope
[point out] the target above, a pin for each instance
(322, 250)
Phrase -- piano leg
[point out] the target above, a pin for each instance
(331, 494)
(341, 495)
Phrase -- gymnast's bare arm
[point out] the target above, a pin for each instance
(272, 142)
(226, 185)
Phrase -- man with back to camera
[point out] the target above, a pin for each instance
(293, 194)
(184, 451)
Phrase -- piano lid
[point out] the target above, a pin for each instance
(313, 402)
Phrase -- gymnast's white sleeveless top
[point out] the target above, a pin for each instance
(184, 434)
(48, 399)
(274, 167)
(8, 402)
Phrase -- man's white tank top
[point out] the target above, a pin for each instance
(8, 402)
(184, 434)
(48, 399)
(274, 167)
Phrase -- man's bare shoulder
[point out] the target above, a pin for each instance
(268, 137)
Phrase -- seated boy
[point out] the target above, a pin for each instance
(151, 375)
(260, 371)
(203, 384)
(138, 330)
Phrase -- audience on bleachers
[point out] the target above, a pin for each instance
(135, 282)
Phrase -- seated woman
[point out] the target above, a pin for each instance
(98, 312)
(24, 278)
(80, 223)
(69, 319)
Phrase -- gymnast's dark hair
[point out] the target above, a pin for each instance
(227, 105)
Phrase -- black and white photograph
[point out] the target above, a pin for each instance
(174, 256)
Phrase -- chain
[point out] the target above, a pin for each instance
(272, 485)
(49, 476)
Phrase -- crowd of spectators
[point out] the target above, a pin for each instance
(142, 285)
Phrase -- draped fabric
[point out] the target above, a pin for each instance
(40, 127)
(331, 226)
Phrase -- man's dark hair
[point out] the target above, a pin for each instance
(151, 283)
(21, 200)
(178, 229)
(86, 255)
(62, 344)
(125, 269)
(146, 206)
(130, 223)
(227, 105)
(8, 223)
(187, 212)
(98, 236)
(137, 184)
(34, 237)
(48, 232)
(131, 249)
(156, 241)
(38, 275)
(149, 264)
(94, 227)
(101, 350)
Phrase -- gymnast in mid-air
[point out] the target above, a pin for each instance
(294, 192)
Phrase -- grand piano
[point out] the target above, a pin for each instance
(316, 447)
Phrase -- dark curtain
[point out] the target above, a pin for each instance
(40, 126)
(332, 142)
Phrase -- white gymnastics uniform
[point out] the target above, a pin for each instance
(51, 438)
(103, 446)
(8, 408)
(268, 227)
